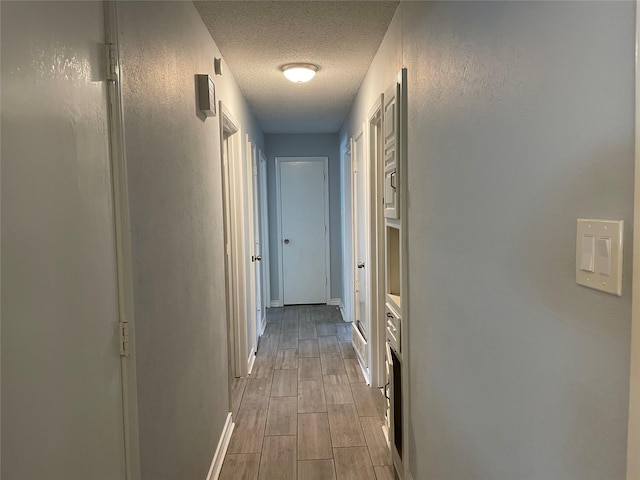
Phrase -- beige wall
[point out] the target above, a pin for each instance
(520, 121)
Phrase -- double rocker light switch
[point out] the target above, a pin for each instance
(599, 255)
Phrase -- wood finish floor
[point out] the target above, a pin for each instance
(305, 411)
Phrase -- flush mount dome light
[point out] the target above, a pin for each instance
(299, 72)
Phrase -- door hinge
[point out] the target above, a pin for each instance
(112, 62)
(123, 329)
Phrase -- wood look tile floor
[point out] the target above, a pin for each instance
(305, 412)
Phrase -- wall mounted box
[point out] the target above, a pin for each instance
(599, 254)
(206, 95)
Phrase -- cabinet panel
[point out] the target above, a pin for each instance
(391, 142)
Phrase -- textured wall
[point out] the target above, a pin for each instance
(177, 235)
(61, 391)
(520, 121)
(311, 145)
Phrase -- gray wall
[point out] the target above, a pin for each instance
(521, 119)
(305, 145)
(61, 391)
(177, 235)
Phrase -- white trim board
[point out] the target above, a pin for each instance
(337, 302)
(633, 440)
(221, 449)
(122, 224)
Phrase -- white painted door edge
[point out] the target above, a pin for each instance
(123, 248)
(221, 449)
(262, 160)
(251, 361)
(633, 442)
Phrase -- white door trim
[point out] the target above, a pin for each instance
(236, 304)
(325, 162)
(123, 250)
(633, 443)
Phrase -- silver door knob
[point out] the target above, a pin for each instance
(286, 241)
(360, 264)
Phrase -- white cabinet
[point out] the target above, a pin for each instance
(391, 141)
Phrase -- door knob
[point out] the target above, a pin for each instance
(360, 264)
(258, 257)
(286, 241)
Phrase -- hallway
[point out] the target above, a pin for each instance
(305, 411)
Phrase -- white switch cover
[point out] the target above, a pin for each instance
(599, 265)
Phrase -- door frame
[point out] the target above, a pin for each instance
(122, 223)
(327, 235)
(231, 164)
(633, 440)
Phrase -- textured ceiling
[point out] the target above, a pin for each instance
(257, 37)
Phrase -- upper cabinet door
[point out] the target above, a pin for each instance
(391, 129)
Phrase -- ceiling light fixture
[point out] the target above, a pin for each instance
(299, 72)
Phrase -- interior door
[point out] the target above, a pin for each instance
(304, 215)
(250, 251)
(257, 243)
(360, 236)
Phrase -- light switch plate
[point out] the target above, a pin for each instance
(605, 260)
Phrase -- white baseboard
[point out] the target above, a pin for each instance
(251, 361)
(277, 303)
(221, 449)
(338, 303)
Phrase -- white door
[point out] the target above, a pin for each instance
(257, 243)
(264, 219)
(248, 239)
(360, 236)
(304, 229)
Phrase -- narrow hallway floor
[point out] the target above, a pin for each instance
(306, 412)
